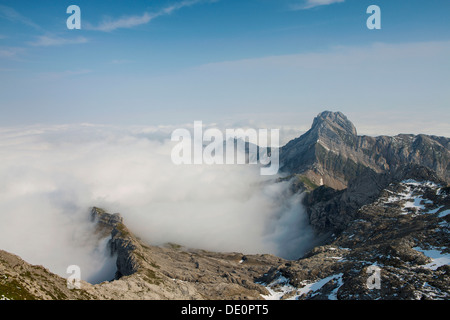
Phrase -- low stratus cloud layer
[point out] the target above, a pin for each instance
(51, 176)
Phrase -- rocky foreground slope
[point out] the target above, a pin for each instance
(384, 236)
(144, 272)
(403, 235)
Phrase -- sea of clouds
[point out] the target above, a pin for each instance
(50, 177)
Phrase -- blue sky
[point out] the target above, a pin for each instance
(273, 62)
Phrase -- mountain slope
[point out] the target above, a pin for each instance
(20, 280)
(403, 233)
(330, 211)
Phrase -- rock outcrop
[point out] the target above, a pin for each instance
(122, 244)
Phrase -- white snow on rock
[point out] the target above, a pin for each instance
(443, 213)
(333, 294)
(420, 184)
(281, 286)
(439, 258)
(278, 288)
(315, 286)
(413, 199)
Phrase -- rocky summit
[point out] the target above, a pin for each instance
(379, 206)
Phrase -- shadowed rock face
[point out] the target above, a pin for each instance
(331, 153)
(121, 244)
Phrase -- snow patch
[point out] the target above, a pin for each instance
(278, 288)
(444, 213)
(315, 286)
(412, 197)
(420, 184)
(439, 258)
(281, 286)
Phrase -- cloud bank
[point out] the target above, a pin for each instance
(51, 176)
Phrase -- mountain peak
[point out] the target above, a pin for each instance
(335, 121)
(331, 153)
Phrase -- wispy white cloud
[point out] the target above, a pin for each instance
(48, 40)
(127, 22)
(14, 16)
(308, 4)
(63, 74)
(109, 24)
(120, 61)
(10, 52)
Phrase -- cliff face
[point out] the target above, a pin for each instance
(331, 153)
(122, 244)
